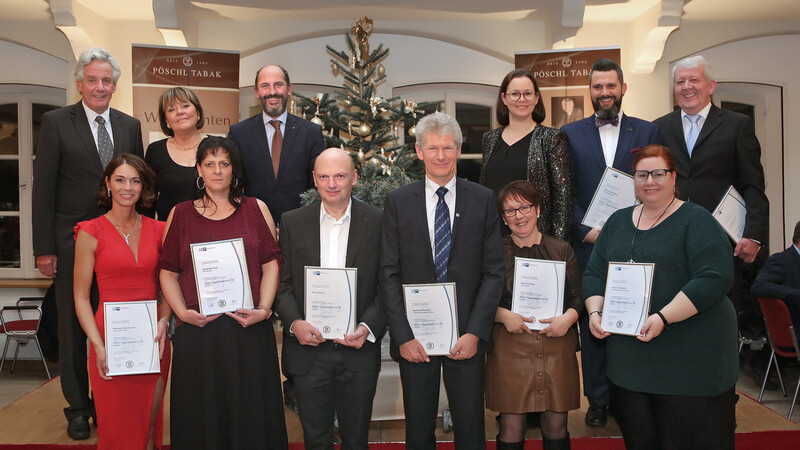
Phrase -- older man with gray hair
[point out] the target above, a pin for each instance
(437, 230)
(76, 143)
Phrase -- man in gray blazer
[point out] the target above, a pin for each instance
(336, 376)
(76, 143)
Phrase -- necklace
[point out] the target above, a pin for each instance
(635, 242)
(127, 236)
(175, 141)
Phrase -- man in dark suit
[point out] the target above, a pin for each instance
(76, 143)
(442, 229)
(780, 278)
(602, 140)
(339, 376)
(277, 148)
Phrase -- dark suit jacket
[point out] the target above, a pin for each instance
(476, 262)
(299, 244)
(302, 142)
(726, 153)
(780, 278)
(589, 163)
(67, 174)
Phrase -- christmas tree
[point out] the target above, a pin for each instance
(364, 124)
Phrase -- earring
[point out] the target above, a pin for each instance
(674, 190)
(505, 223)
(235, 182)
(197, 183)
(109, 193)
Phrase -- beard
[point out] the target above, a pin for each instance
(277, 111)
(610, 113)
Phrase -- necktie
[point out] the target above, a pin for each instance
(600, 122)
(104, 146)
(277, 142)
(441, 236)
(694, 131)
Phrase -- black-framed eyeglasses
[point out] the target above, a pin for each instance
(524, 210)
(514, 96)
(640, 176)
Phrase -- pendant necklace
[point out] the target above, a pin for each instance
(128, 236)
(635, 242)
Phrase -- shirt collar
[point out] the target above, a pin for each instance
(323, 214)
(91, 115)
(431, 186)
(703, 112)
(265, 118)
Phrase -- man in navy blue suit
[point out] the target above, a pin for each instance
(780, 278)
(277, 148)
(602, 140)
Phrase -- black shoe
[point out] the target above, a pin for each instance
(78, 428)
(597, 416)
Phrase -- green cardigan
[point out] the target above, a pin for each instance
(691, 252)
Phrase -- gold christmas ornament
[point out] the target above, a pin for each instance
(412, 131)
(318, 121)
(334, 69)
(364, 129)
(381, 70)
(348, 102)
(361, 155)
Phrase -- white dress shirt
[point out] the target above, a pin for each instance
(333, 234)
(432, 199)
(687, 124)
(271, 130)
(609, 137)
(91, 115)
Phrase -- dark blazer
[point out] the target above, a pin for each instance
(299, 242)
(302, 142)
(476, 262)
(780, 278)
(67, 175)
(589, 163)
(726, 153)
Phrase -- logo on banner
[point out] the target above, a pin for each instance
(187, 61)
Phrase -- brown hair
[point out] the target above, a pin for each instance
(146, 175)
(178, 94)
(538, 113)
(520, 189)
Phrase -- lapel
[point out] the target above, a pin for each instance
(713, 120)
(289, 136)
(593, 143)
(624, 141)
(81, 124)
(462, 200)
(421, 214)
(257, 128)
(309, 232)
(358, 223)
(796, 259)
(116, 131)
(675, 126)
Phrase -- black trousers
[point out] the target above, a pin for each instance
(464, 383)
(675, 422)
(331, 388)
(593, 365)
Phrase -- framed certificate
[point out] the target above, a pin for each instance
(130, 333)
(730, 213)
(538, 290)
(627, 297)
(330, 300)
(220, 272)
(431, 312)
(614, 192)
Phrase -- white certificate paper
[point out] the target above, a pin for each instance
(131, 330)
(538, 290)
(220, 271)
(614, 192)
(330, 300)
(730, 213)
(627, 297)
(431, 312)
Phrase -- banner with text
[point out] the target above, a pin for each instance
(563, 79)
(212, 74)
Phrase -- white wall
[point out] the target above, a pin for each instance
(31, 66)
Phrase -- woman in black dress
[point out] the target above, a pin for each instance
(172, 159)
(524, 149)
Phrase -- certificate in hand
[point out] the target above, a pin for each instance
(627, 297)
(330, 300)
(130, 333)
(614, 192)
(431, 312)
(730, 213)
(220, 271)
(538, 290)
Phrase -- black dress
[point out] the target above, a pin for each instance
(174, 183)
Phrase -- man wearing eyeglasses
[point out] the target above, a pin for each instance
(602, 140)
(442, 229)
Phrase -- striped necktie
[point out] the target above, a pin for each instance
(442, 236)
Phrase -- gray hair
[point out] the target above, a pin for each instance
(97, 54)
(693, 62)
(439, 123)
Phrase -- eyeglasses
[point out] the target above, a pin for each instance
(524, 210)
(640, 176)
(514, 96)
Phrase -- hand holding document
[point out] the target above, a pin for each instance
(627, 297)
(432, 315)
(220, 271)
(538, 290)
(614, 192)
(330, 300)
(130, 333)
(730, 213)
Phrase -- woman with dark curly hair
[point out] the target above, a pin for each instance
(524, 149)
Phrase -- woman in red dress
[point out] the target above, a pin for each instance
(121, 248)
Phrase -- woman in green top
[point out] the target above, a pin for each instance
(673, 385)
